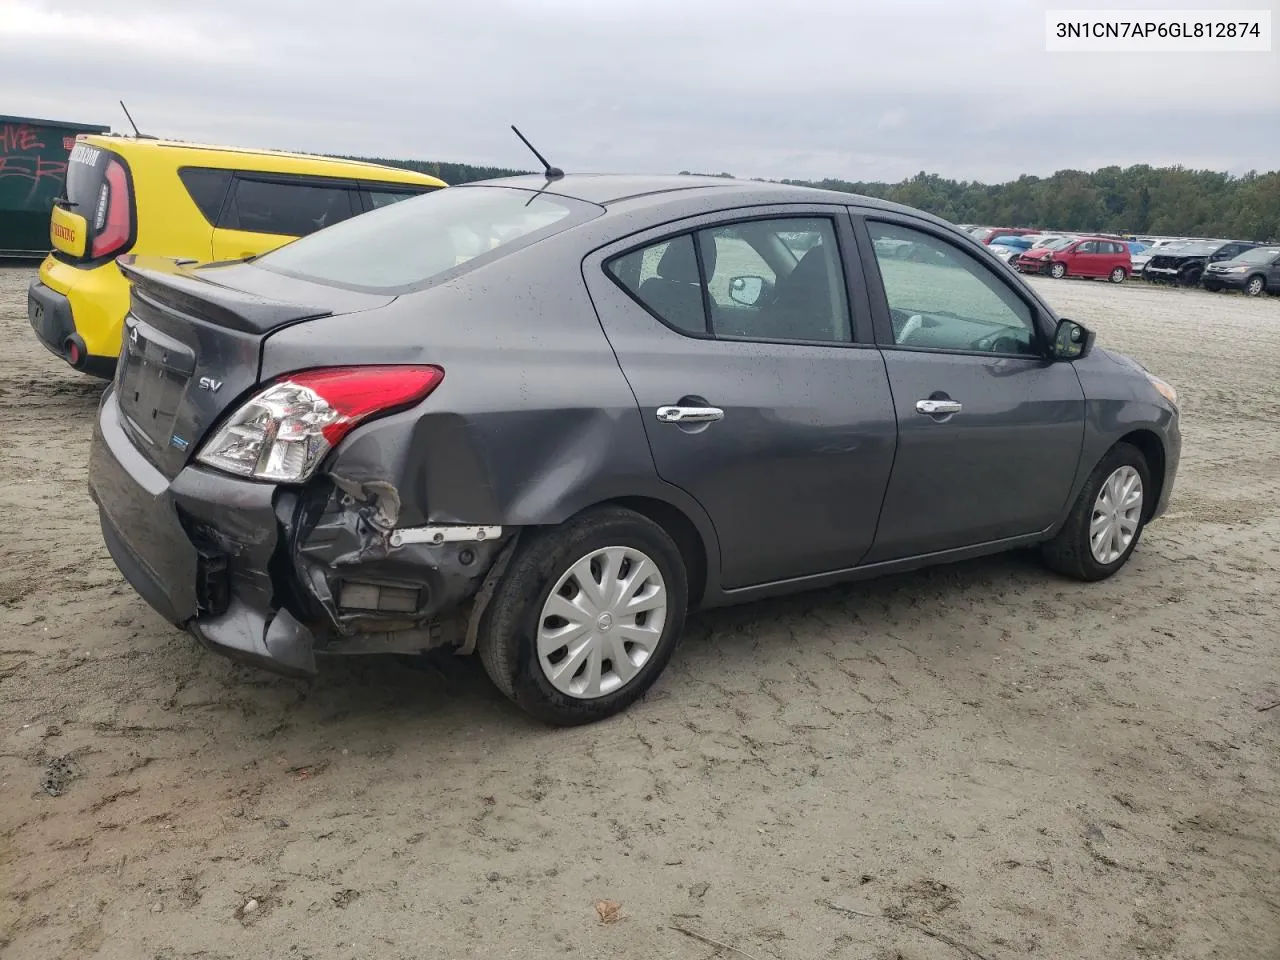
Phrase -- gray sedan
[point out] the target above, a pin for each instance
(542, 419)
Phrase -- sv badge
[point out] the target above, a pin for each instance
(210, 384)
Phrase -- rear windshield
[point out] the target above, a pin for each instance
(406, 245)
(84, 179)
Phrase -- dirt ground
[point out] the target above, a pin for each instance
(983, 761)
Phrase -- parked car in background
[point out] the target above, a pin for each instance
(1184, 263)
(1083, 257)
(174, 199)
(1141, 259)
(1039, 259)
(1009, 248)
(1254, 271)
(986, 234)
(642, 401)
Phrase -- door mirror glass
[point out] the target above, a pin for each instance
(1071, 341)
(746, 291)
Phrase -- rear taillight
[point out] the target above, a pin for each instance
(112, 213)
(283, 432)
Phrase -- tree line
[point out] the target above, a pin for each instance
(1169, 201)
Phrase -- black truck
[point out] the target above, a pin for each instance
(1183, 263)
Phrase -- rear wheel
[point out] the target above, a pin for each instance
(1190, 277)
(1254, 286)
(1117, 275)
(1107, 520)
(586, 617)
(1058, 271)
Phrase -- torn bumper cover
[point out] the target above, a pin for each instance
(271, 575)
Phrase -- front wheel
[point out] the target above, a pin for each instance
(1117, 275)
(1255, 286)
(1107, 520)
(1190, 278)
(586, 617)
(1058, 271)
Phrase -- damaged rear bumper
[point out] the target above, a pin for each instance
(273, 576)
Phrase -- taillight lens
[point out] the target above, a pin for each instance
(112, 217)
(283, 432)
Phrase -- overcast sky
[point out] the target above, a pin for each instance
(855, 89)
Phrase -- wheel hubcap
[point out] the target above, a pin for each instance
(1116, 515)
(1255, 286)
(602, 622)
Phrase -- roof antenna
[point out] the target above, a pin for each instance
(552, 173)
(136, 132)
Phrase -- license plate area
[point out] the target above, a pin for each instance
(155, 369)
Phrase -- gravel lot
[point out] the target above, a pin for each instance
(982, 757)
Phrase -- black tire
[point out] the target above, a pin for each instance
(506, 644)
(1118, 275)
(1058, 271)
(1190, 277)
(1069, 553)
(1254, 286)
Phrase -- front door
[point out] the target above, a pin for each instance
(265, 212)
(989, 432)
(1088, 262)
(1273, 275)
(762, 393)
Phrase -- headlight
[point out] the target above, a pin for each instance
(283, 432)
(1046, 256)
(1164, 389)
(1235, 269)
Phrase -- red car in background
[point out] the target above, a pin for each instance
(1081, 257)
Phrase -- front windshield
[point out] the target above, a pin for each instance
(1058, 244)
(407, 244)
(1259, 255)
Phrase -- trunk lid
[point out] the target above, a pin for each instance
(192, 346)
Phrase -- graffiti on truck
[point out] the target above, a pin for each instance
(20, 146)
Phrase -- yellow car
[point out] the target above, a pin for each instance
(186, 201)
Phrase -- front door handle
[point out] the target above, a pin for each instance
(937, 408)
(690, 414)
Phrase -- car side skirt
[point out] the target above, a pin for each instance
(872, 570)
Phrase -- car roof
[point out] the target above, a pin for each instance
(265, 161)
(615, 190)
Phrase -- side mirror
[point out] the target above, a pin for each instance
(1071, 341)
(746, 291)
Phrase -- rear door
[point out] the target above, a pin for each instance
(989, 431)
(763, 396)
(263, 211)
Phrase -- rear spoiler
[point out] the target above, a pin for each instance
(174, 284)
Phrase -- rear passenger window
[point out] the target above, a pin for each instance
(288, 209)
(772, 280)
(664, 277)
(208, 188)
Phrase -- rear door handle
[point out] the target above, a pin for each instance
(936, 408)
(690, 414)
